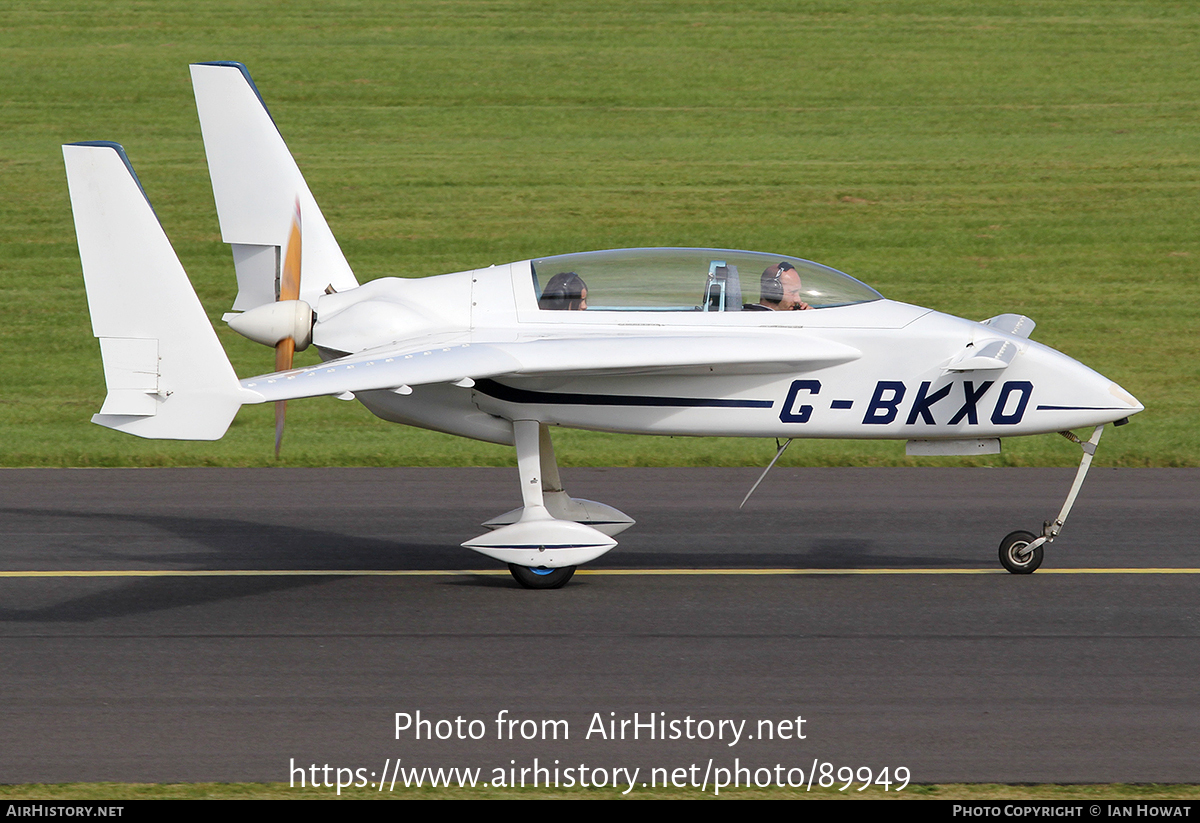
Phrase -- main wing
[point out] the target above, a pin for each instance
(438, 360)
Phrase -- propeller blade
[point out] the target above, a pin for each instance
(284, 352)
(289, 289)
(280, 415)
(289, 276)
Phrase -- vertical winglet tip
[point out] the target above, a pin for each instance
(233, 64)
(117, 147)
(105, 144)
(120, 150)
(240, 66)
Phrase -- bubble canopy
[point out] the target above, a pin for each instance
(681, 279)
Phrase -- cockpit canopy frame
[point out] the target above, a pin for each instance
(690, 280)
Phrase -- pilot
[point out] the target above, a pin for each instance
(780, 287)
(566, 291)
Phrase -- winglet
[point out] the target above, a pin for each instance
(166, 372)
(257, 184)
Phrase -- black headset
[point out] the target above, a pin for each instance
(772, 288)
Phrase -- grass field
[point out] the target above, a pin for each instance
(975, 157)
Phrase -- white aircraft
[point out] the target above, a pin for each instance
(660, 341)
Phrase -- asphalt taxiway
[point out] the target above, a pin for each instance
(211, 624)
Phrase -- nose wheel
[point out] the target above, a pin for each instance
(1016, 554)
(532, 578)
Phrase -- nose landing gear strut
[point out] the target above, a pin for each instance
(1020, 551)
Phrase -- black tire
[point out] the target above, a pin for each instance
(541, 578)
(1014, 562)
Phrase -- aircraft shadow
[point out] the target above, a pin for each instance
(216, 543)
(820, 553)
(228, 543)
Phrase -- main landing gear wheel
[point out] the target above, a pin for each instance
(542, 578)
(1015, 555)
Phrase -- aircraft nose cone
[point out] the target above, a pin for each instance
(1125, 397)
(1071, 395)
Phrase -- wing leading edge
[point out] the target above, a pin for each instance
(455, 362)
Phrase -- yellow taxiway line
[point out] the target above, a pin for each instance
(610, 572)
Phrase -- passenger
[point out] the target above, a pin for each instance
(780, 288)
(566, 291)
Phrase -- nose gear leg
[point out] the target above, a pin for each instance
(1022, 556)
